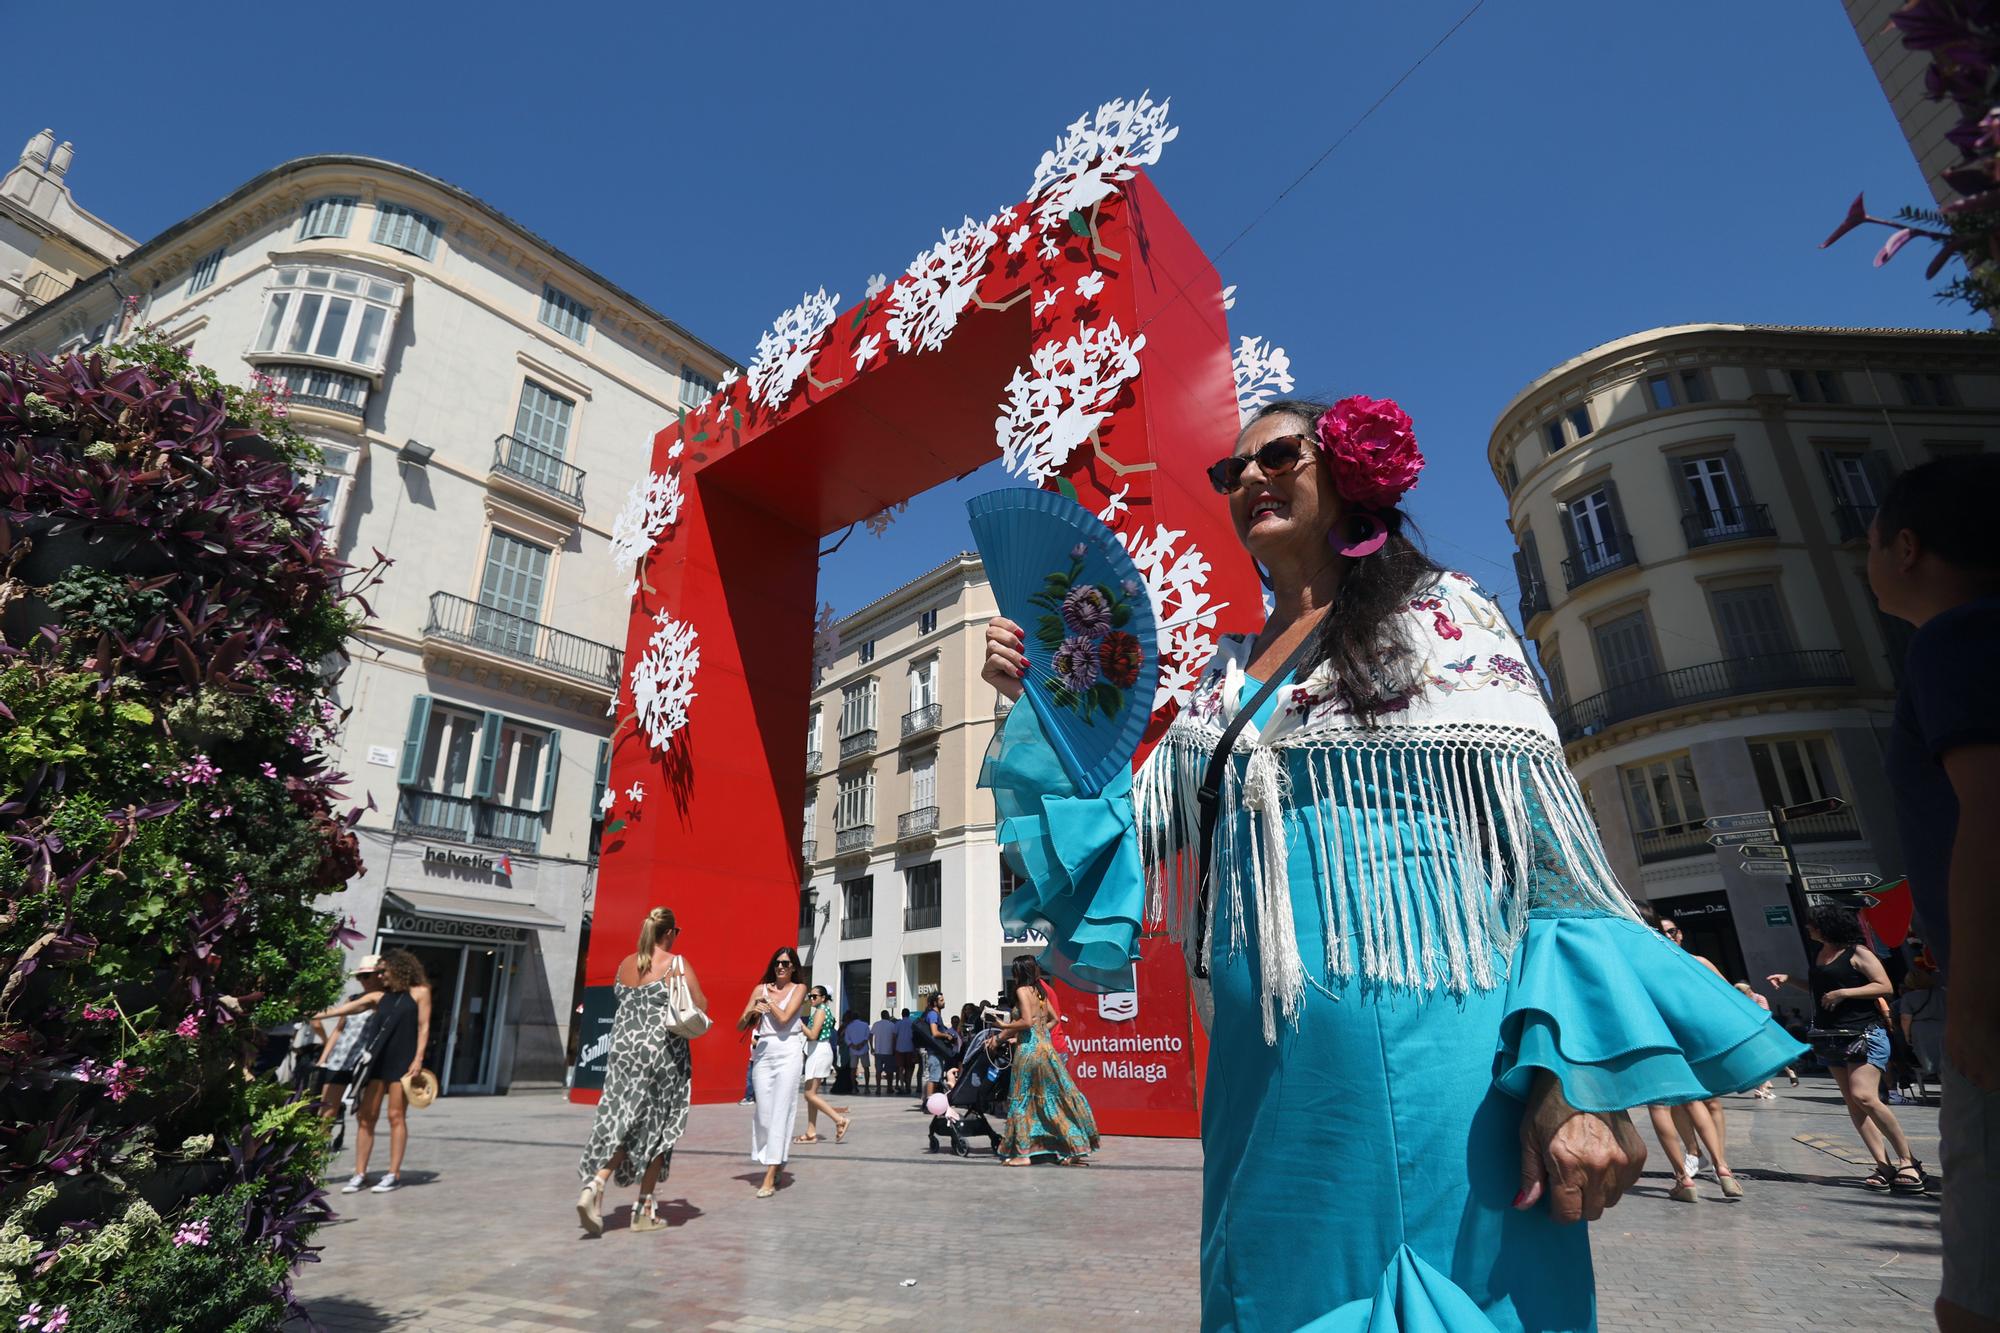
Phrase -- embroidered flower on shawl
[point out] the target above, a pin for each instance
(1076, 663)
(1512, 668)
(1120, 657)
(1371, 447)
(1445, 629)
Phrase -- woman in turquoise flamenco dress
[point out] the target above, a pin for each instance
(1429, 1003)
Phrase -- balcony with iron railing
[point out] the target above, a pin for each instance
(918, 823)
(856, 927)
(537, 472)
(1594, 560)
(429, 814)
(461, 623)
(855, 745)
(1839, 826)
(857, 839)
(1534, 599)
(1738, 523)
(920, 720)
(1670, 844)
(1852, 521)
(923, 918)
(812, 763)
(809, 850)
(1724, 679)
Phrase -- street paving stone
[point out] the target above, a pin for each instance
(484, 1234)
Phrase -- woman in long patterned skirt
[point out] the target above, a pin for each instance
(646, 1084)
(1047, 1115)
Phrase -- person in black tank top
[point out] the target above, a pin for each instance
(1846, 979)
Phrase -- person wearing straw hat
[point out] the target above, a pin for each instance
(397, 1037)
(340, 1058)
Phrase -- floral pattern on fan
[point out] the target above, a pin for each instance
(1095, 659)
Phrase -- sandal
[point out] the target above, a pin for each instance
(646, 1216)
(840, 1131)
(806, 1138)
(1918, 1184)
(1881, 1178)
(590, 1205)
(1018, 1161)
(1730, 1189)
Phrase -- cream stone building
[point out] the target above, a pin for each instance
(47, 240)
(484, 402)
(1901, 72)
(903, 874)
(1690, 506)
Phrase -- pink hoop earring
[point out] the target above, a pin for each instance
(1374, 535)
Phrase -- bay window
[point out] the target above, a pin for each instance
(329, 314)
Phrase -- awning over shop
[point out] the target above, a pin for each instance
(486, 911)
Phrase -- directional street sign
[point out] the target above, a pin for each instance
(1836, 883)
(1743, 836)
(1768, 851)
(1857, 901)
(1766, 868)
(1824, 806)
(1748, 819)
(1812, 868)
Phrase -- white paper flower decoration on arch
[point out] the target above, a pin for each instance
(651, 507)
(1176, 578)
(940, 283)
(826, 640)
(1098, 152)
(879, 523)
(1263, 373)
(663, 680)
(784, 353)
(1064, 394)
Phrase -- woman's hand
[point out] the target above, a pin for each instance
(1777, 981)
(1583, 1160)
(1831, 998)
(416, 1067)
(1006, 662)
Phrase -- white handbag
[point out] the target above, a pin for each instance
(683, 1019)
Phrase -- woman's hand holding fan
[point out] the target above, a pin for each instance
(1006, 657)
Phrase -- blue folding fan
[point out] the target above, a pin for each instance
(1092, 643)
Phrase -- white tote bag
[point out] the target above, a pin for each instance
(683, 1019)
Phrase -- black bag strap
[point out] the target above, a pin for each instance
(1210, 795)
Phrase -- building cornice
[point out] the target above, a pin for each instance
(476, 227)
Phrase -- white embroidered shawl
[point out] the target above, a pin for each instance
(1473, 748)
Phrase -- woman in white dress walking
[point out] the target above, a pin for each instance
(777, 1063)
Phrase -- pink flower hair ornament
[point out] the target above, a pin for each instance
(1371, 451)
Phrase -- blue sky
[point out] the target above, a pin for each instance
(1560, 174)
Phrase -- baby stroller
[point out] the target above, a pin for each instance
(981, 1089)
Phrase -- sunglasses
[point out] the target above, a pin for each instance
(1274, 456)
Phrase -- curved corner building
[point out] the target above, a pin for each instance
(1690, 508)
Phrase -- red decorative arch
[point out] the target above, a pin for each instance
(1032, 318)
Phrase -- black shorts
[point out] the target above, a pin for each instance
(331, 1078)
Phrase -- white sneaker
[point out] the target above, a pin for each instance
(385, 1184)
(354, 1183)
(1691, 1165)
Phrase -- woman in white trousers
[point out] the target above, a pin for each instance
(778, 1060)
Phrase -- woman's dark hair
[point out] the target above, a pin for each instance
(1836, 925)
(1363, 633)
(402, 971)
(1026, 972)
(1948, 503)
(771, 968)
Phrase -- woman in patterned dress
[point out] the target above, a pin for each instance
(821, 1033)
(1047, 1115)
(646, 1083)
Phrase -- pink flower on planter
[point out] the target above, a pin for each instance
(1371, 448)
(192, 1233)
(99, 1014)
(198, 771)
(284, 698)
(31, 1318)
(268, 769)
(190, 1026)
(57, 1321)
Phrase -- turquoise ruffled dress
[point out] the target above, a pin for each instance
(1359, 1170)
